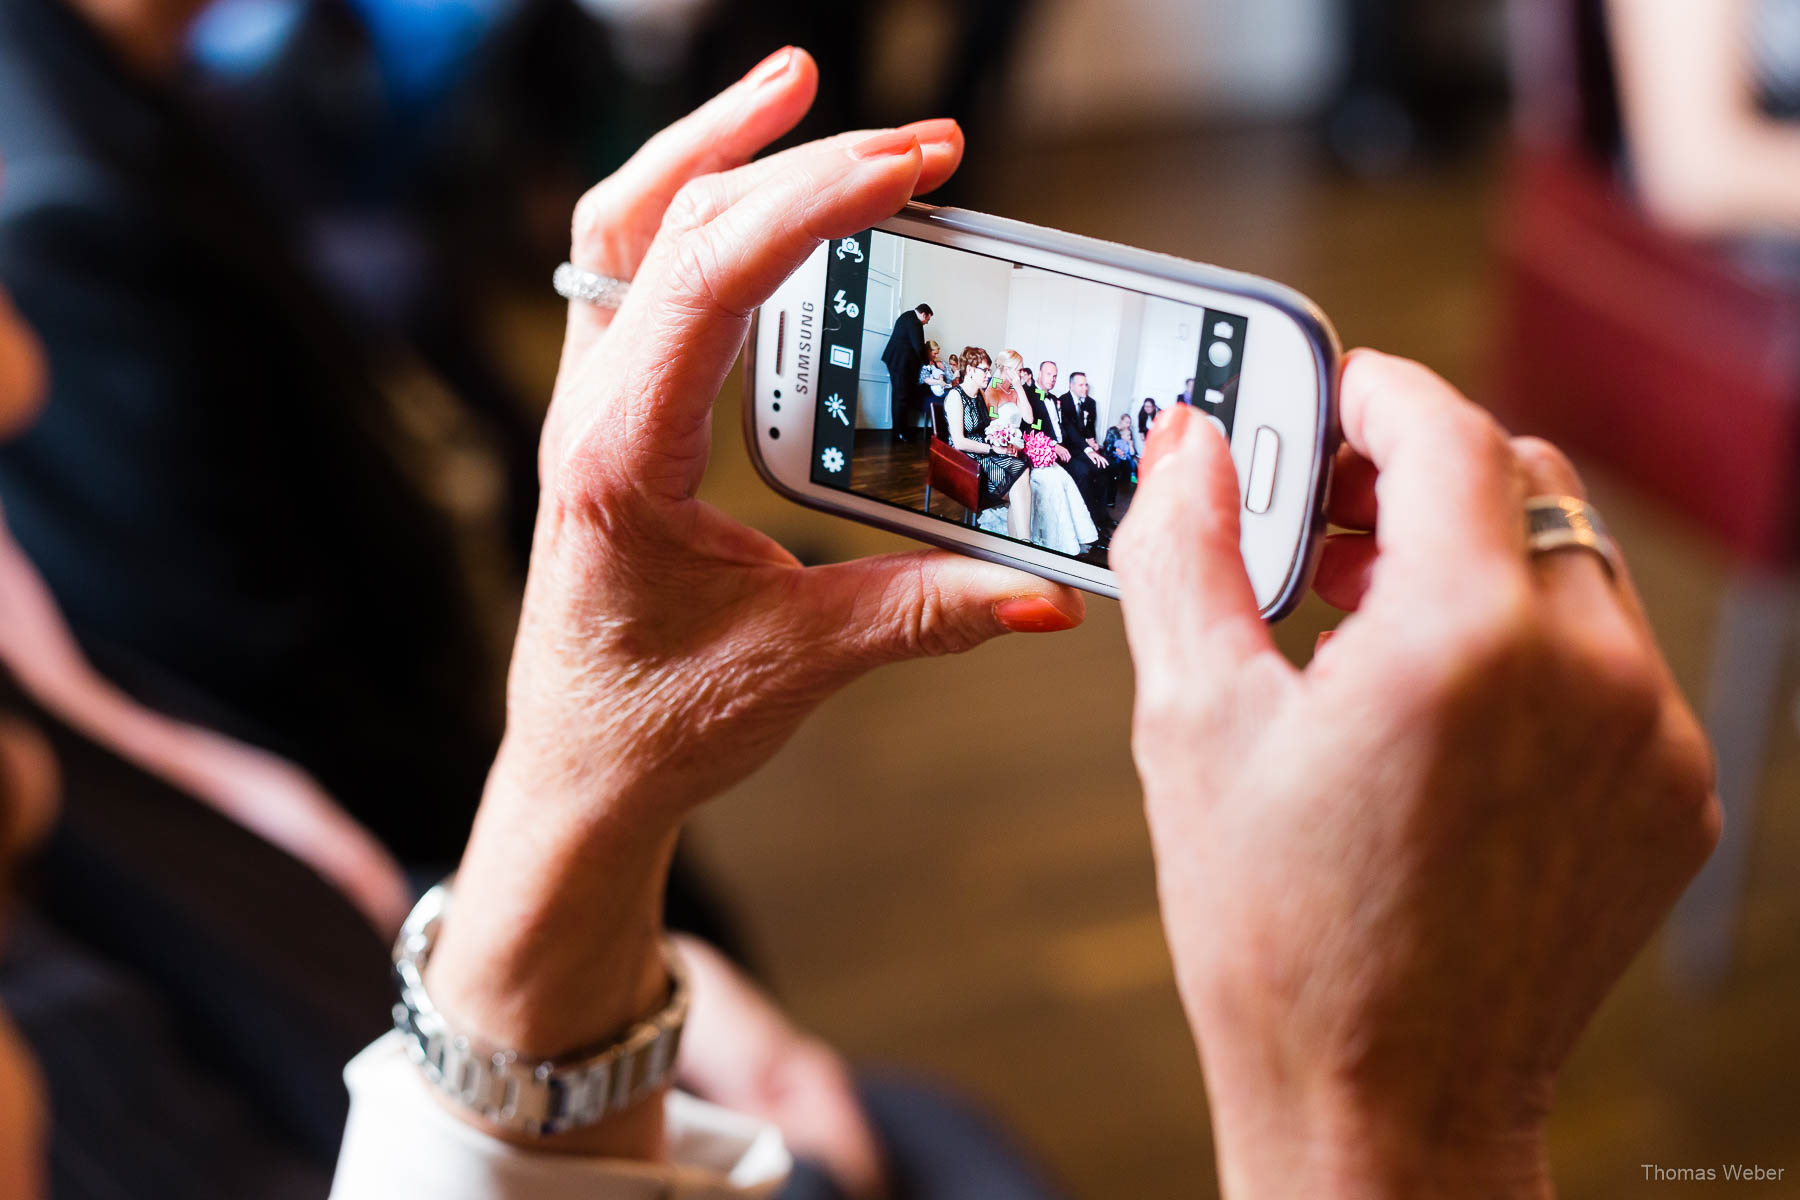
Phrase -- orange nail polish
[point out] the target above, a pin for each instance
(1032, 614)
(935, 132)
(771, 68)
(885, 145)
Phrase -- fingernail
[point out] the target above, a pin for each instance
(1033, 614)
(1171, 427)
(1322, 639)
(936, 131)
(885, 145)
(771, 68)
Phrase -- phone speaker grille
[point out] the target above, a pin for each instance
(781, 344)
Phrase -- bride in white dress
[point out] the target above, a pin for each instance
(1059, 518)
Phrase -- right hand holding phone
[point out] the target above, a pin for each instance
(1397, 883)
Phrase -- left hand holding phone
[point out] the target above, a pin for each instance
(1397, 884)
(665, 650)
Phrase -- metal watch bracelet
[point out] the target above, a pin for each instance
(536, 1098)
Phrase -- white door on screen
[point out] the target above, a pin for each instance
(875, 392)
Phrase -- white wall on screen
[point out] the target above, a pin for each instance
(968, 294)
(1116, 396)
(1168, 350)
(1073, 322)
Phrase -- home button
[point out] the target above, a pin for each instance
(1264, 453)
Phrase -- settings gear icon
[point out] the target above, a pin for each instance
(832, 460)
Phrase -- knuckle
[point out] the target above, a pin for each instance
(594, 215)
(1485, 438)
(694, 272)
(694, 204)
(928, 620)
(1544, 461)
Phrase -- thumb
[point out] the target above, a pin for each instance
(1190, 609)
(925, 604)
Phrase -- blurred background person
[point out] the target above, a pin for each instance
(204, 907)
(1710, 99)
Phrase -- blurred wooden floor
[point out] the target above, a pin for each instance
(991, 918)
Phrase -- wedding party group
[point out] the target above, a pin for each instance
(1048, 474)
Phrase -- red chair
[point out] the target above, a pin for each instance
(952, 472)
(1663, 363)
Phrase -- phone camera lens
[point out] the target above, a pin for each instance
(774, 435)
(778, 393)
(776, 406)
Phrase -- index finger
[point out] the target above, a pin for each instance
(681, 326)
(723, 133)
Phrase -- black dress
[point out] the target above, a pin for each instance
(999, 472)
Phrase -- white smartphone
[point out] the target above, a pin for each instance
(987, 386)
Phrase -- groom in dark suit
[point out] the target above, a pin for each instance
(1061, 417)
(1082, 419)
(905, 358)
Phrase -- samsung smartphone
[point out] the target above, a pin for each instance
(988, 386)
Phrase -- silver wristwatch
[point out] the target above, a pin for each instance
(534, 1098)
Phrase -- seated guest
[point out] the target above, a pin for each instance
(1005, 475)
(1060, 520)
(1146, 419)
(936, 380)
(932, 373)
(1120, 448)
(211, 923)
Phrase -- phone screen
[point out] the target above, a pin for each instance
(1006, 397)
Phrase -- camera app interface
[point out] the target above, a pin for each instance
(1004, 397)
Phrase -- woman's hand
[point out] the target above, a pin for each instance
(1398, 883)
(665, 651)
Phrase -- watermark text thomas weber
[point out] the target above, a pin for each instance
(1727, 1173)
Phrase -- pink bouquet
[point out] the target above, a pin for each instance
(1039, 448)
(1004, 436)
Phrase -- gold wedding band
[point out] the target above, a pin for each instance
(1555, 523)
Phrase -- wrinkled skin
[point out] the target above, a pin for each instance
(1398, 883)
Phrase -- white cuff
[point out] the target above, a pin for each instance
(400, 1141)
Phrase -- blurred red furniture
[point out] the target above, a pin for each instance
(1663, 363)
(952, 472)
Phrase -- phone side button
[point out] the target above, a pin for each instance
(1264, 453)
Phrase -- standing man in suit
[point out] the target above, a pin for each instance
(1187, 395)
(905, 358)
